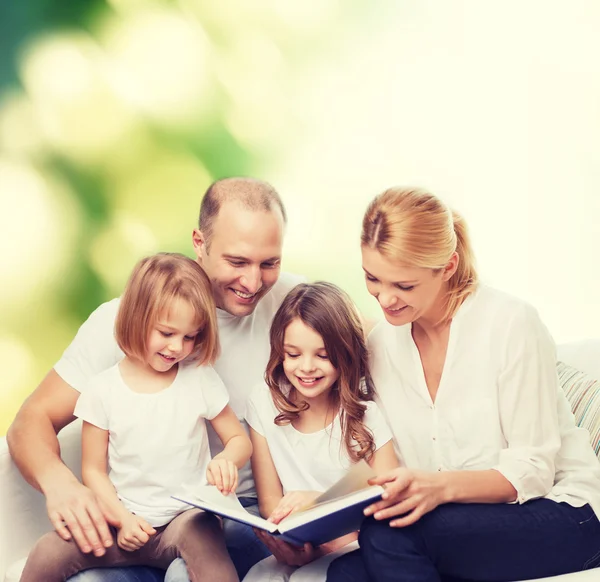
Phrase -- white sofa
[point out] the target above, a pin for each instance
(22, 509)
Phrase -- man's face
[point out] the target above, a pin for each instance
(243, 256)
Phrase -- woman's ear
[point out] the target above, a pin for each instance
(451, 267)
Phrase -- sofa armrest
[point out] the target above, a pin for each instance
(23, 509)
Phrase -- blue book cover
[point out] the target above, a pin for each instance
(337, 512)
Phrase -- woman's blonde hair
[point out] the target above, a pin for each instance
(413, 227)
(155, 283)
(329, 311)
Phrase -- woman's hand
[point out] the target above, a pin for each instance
(223, 474)
(292, 501)
(288, 553)
(410, 494)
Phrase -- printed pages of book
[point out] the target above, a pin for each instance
(336, 512)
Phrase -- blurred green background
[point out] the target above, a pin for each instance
(115, 115)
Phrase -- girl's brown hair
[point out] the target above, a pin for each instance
(155, 283)
(329, 311)
(415, 228)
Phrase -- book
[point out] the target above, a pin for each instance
(336, 512)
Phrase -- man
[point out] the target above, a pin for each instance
(239, 244)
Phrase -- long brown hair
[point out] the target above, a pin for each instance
(415, 228)
(329, 311)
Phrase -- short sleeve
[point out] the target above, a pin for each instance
(527, 389)
(376, 423)
(259, 400)
(214, 392)
(93, 349)
(92, 406)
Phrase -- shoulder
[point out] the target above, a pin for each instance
(285, 283)
(498, 308)
(260, 397)
(107, 312)
(269, 304)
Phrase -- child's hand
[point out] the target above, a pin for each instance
(134, 533)
(223, 474)
(292, 501)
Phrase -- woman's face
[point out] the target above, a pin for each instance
(406, 294)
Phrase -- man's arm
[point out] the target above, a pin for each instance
(33, 444)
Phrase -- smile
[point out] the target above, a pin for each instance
(394, 311)
(308, 381)
(246, 296)
(169, 359)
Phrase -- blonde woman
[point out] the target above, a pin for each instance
(497, 483)
(144, 433)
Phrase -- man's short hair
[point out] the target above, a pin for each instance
(250, 193)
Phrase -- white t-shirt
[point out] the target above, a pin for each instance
(308, 461)
(498, 406)
(241, 365)
(157, 442)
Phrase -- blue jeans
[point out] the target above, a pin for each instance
(244, 547)
(487, 543)
(130, 574)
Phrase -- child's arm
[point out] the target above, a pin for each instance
(268, 485)
(384, 459)
(134, 531)
(222, 471)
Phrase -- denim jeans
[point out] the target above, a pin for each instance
(487, 543)
(130, 574)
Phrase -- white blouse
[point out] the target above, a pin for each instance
(498, 405)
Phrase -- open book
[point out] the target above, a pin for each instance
(336, 512)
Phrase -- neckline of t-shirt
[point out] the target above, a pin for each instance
(316, 432)
(149, 394)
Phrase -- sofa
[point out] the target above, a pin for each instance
(22, 509)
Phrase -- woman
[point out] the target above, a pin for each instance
(497, 483)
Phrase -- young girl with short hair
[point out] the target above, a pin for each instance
(312, 419)
(144, 433)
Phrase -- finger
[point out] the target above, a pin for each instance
(75, 529)
(209, 476)
(218, 477)
(236, 480)
(127, 546)
(89, 531)
(60, 526)
(409, 519)
(101, 526)
(399, 509)
(140, 537)
(146, 527)
(232, 477)
(396, 476)
(225, 478)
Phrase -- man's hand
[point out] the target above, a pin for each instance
(292, 501)
(134, 533)
(75, 513)
(410, 494)
(223, 474)
(287, 553)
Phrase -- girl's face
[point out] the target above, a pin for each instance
(172, 337)
(306, 364)
(406, 294)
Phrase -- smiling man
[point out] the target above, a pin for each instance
(238, 243)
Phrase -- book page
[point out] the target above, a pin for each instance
(355, 479)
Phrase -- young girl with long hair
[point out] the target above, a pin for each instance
(144, 433)
(313, 418)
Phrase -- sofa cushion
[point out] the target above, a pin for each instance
(583, 394)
